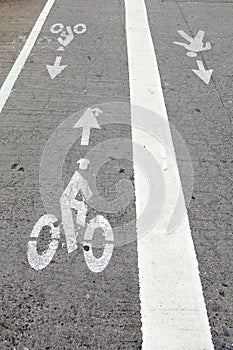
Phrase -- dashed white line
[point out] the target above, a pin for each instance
(173, 310)
(8, 84)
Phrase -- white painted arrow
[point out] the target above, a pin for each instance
(203, 74)
(56, 68)
(88, 121)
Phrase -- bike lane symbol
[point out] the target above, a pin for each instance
(66, 34)
(65, 38)
(195, 45)
(160, 207)
(68, 202)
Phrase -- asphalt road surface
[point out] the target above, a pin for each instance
(67, 81)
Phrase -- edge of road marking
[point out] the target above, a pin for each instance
(9, 82)
(173, 309)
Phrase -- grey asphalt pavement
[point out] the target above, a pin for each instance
(67, 306)
(203, 116)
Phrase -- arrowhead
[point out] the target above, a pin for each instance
(87, 121)
(204, 75)
(55, 70)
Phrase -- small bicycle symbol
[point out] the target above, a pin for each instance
(67, 34)
(68, 202)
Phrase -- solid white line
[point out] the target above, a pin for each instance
(25, 52)
(173, 310)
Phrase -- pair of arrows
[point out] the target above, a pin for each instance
(202, 73)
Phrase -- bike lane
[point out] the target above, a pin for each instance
(202, 113)
(66, 305)
(94, 71)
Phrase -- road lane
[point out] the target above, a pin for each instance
(203, 115)
(172, 307)
(66, 306)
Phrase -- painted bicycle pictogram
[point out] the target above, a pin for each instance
(68, 203)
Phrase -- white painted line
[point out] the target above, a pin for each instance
(21, 59)
(173, 310)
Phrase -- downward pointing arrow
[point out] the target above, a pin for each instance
(56, 68)
(87, 122)
(203, 74)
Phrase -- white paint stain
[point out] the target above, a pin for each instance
(97, 111)
(83, 163)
